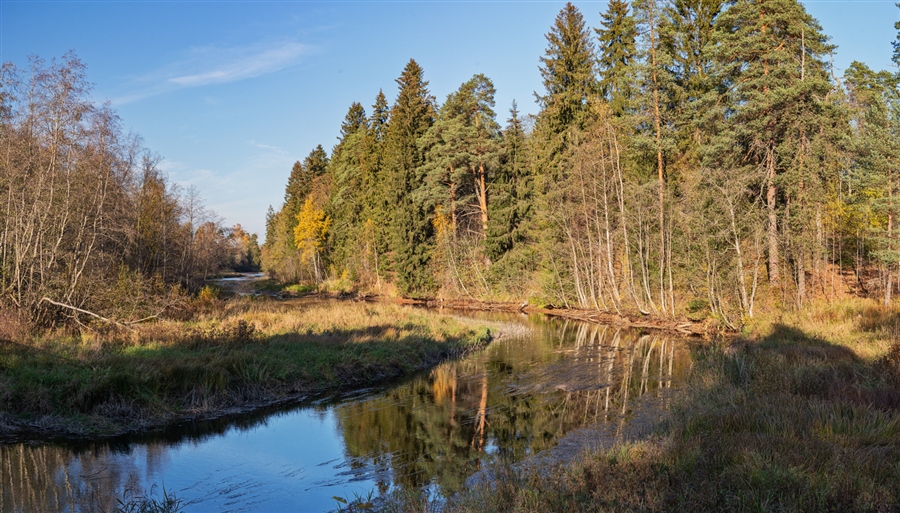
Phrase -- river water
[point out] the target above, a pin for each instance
(518, 397)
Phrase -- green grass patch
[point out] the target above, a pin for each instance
(270, 285)
(244, 353)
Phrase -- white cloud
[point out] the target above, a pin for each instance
(217, 64)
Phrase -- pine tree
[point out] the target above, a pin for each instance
(654, 139)
(770, 58)
(463, 153)
(617, 56)
(409, 225)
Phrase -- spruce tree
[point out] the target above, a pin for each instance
(378, 123)
(692, 91)
(347, 194)
(353, 121)
(617, 55)
(567, 70)
(409, 225)
(511, 200)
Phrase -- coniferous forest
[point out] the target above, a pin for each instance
(695, 156)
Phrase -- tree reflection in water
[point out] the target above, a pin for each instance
(514, 400)
(57, 479)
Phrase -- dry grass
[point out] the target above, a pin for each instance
(801, 414)
(233, 354)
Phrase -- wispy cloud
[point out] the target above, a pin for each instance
(241, 63)
(217, 64)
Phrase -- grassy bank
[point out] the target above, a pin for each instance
(238, 355)
(800, 414)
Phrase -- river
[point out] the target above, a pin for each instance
(518, 397)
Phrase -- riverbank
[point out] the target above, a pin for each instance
(682, 326)
(235, 356)
(800, 413)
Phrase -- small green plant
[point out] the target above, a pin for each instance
(132, 502)
(696, 305)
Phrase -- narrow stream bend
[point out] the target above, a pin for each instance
(434, 430)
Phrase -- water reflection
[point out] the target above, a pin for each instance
(504, 405)
(512, 400)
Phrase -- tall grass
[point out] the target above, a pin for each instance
(801, 414)
(234, 354)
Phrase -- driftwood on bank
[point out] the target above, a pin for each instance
(126, 325)
(683, 326)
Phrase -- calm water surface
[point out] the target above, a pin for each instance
(434, 430)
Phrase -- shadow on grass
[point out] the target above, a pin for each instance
(208, 372)
(791, 422)
(818, 368)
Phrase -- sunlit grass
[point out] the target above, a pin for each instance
(236, 353)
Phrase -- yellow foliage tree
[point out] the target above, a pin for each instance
(309, 234)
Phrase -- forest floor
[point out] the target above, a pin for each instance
(800, 412)
(231, 357)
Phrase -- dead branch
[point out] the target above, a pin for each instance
(92, 314)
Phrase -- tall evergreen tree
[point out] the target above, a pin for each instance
(567, 71)
(617, 55)
(770, 56)
(875, 114)
(381, 112)
(692, 91)
(353, 121)
(347, 195)
(409, 224)
(463, 153)
(511, 203)
(301, 180)
(654, 130)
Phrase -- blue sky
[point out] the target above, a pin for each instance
(231, 93)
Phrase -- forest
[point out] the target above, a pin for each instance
(89, 220)
(690, 160)
(693, 157)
